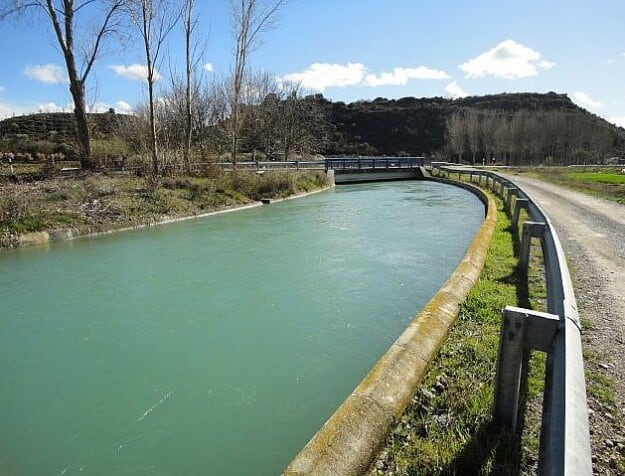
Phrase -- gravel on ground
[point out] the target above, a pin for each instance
(592, 232)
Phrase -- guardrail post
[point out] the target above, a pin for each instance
(512, 191)
(500, 189)
(531, 229)
(509, 368)
(519, 204)
(521, 330)
(503, 192)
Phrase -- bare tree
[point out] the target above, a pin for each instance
(79, 59)
(277, 120)
(154, 19)
(475, 132)
(457, 133)
(250, 18)
(191, 63)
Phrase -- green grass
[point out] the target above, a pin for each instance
(601, 387)
(447, 429)
(597, 177)
(604, 183)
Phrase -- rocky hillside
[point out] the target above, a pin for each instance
(58, 127)
(416, 126)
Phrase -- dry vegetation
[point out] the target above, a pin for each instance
(103, 202)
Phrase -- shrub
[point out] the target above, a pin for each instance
(67, 150)
(11, 209)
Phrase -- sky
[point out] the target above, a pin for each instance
(353, 50)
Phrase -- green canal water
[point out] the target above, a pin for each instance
(214, 346)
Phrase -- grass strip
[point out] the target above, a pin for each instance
(447, 429)
(608, 184)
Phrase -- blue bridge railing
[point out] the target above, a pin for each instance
(373, 163)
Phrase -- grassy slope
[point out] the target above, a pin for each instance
(105, 202)
(447, 429)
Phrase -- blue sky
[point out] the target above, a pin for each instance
(363, 49)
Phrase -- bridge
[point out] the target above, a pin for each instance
(373, 169)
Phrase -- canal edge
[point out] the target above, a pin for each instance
(349, 440)
(39, 238)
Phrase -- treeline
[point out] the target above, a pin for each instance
(530, 137)
(515, 128)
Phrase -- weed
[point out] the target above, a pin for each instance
(601, 387)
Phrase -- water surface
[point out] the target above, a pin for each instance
(214, 346)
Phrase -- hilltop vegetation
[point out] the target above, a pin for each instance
(411, 126)
(524, 128)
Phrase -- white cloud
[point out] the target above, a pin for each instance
(2, 89)
(320, 76)
(401, 76)
(99, 107)
(209, 67)
(508, 60)
(138, 72)
(53, 107)
(123, 107)
(585, 101)
(8, 110)
(618, 120)
(454, 91)
(47, 73)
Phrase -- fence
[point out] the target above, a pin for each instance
(373, 163)
(565, 440)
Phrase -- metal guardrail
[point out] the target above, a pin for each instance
(373, 163)
(275, 165)
(565, 437)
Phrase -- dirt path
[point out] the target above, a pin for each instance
(592, 232)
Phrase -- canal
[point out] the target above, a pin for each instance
(218, 345)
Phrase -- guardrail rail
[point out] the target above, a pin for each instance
(565, 437)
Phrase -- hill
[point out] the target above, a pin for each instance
(415, 126)
(519, 127)
(58, 127)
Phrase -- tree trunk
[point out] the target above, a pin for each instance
(77, 90)
(235, 134)
(189, 123)
(153, 143)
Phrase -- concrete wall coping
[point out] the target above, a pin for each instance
(347, 443)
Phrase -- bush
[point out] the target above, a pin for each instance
(111, 147)
(67, 150)
(11, 209)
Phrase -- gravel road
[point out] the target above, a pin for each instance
(592, 232)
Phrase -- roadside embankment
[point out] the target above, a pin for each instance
(34, 213)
